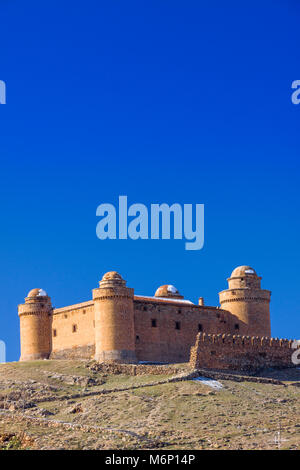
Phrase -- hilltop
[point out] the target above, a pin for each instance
(78, 405)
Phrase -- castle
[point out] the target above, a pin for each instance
(117, 325)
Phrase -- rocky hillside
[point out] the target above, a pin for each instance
(77, 405)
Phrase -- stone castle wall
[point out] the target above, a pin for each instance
(114, 322)
(240, 352)
(35, 327)
(165, 331)
(251, 308)
(73, 331)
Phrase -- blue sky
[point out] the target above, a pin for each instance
(162, 101)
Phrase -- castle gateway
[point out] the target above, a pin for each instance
(117, 325)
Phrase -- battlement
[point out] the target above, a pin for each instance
(239, 341)
(225, 351)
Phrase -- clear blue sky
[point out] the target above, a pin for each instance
(162, 101)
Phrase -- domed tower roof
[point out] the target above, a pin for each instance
(112, 278)
(112, 275)
(168, 291)
(37, 293)
(39, 296)
(244, 277)
(242, 270)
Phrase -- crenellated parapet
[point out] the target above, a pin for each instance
(244, 341)
(225, 351)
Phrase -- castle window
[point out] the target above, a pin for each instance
(54, 333)
(66, 316)
(177, 325)
(179, 311)
(236, 326)
(137, 339)
(145, 308)
(84, 311)
(74, 328)
(153, 323)
(200, 328)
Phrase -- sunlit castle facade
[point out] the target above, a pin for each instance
(118, 325)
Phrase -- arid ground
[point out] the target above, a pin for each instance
(66, 405)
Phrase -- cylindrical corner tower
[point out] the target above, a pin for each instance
(35, 326)
(247, 302)
(114, 320)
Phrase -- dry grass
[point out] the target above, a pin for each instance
(180, 415)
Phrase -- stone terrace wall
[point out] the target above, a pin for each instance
(132, 369)
(240, 352)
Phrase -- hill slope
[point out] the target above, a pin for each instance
(66, 405)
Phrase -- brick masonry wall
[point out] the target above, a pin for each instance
(240, 352)
(35, 328)
(164, 342)
(252, 310)
(72, 328)
(114, 323)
